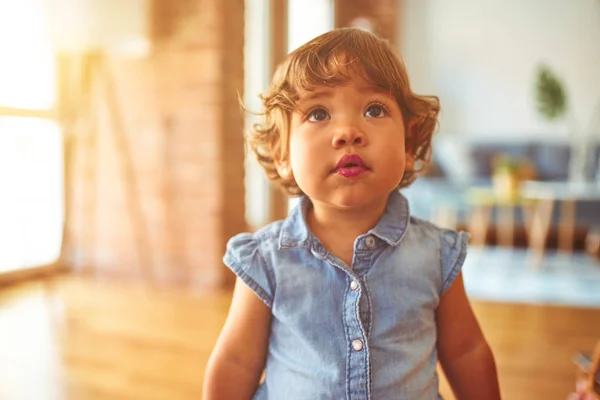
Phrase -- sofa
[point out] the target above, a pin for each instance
(459, 165)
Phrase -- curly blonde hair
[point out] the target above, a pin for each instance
(331, 59)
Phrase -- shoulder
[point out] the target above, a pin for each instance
(250, 248)
(451, 246)
(424, 232)
(423, 229)
(263, 239)
(245, 257)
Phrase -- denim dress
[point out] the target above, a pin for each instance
(366, 332)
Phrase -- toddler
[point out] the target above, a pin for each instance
(349, 297)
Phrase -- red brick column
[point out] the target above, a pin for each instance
(167, 180)
(382, 15)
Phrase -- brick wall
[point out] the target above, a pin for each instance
(158, 189)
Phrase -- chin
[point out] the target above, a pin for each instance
(358, 198)
(350, 194)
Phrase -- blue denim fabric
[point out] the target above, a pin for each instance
(401, 268)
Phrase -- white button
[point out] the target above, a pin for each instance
(357, 345)
(370, 242)
(354, 285)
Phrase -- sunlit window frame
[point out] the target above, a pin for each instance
(28, 113)
(53, 114)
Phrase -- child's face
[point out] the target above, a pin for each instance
(347, 144)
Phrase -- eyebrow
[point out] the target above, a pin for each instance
(328, 93)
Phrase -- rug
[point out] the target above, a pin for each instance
(509, 275)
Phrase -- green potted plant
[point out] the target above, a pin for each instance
(552, 105)
(551, 100)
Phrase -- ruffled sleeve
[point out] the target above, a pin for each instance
(454, 252)
(243, 257)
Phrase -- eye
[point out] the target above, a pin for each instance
(375, 111)
(318, 115)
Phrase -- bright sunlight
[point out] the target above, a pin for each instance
(31, 164)
(27, 65)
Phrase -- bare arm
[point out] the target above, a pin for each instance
(238, 359)
(463, 352)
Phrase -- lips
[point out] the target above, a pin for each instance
(350, 165)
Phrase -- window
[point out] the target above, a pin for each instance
(31, 161)
(300, 12)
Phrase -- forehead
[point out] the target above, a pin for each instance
(360, 85)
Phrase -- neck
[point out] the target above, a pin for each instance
(344, 224)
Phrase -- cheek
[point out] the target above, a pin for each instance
(299, 150)
(303, 149)
(393, 153)
(400, 161)
(393, 161)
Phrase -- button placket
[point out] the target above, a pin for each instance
(358, 355)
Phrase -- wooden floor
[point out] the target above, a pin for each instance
(75, 338)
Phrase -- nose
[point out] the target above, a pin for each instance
(348, 136)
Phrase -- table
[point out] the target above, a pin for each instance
(484, 200)
(545, 195)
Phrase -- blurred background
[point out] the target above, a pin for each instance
(123, 173)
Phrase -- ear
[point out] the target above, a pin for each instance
(284, 169)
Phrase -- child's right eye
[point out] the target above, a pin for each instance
(318, 115)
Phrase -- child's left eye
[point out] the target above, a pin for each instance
(375, 111)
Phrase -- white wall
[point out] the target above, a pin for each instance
(82, 24)
(480, 58)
